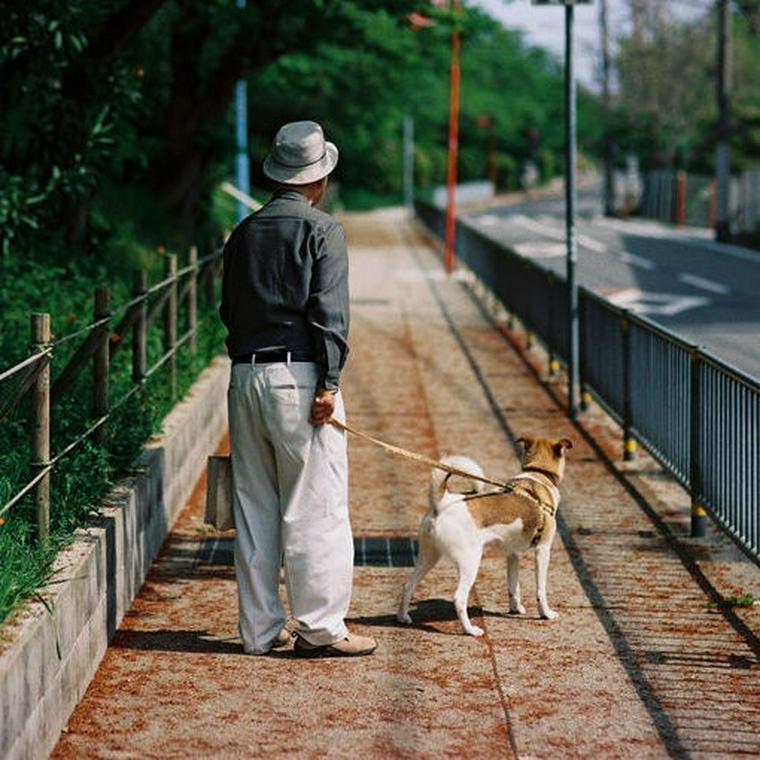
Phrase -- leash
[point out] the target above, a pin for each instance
(398, 451)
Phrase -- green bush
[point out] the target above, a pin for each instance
(79, 483)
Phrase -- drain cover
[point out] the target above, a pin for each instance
(368, 552)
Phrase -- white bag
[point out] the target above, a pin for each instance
(219, 493)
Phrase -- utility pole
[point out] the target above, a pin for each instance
(409, 163)
(571, 127)
(451, 179)
(609, 165)
(723, 148)
(242, 167)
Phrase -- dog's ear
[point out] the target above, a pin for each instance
(561, 445)
(525, 441)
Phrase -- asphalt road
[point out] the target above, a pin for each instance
(707, 292)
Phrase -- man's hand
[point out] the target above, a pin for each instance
(323, 407)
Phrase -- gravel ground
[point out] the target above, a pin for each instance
(638, 664)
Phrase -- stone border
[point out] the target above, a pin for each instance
(49, 658)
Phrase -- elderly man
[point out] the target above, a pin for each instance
(285, 306)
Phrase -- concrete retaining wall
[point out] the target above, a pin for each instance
(47, 659)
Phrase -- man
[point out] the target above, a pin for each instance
(285, 306)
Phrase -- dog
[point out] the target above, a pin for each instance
(518, 517)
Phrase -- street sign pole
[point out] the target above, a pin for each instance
(573, 347)
(242, 167)
(570, 202)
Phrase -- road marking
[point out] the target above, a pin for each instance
(540, 250)
(637, 261)
(488, 220)
(543, 228)
(699, 282)
(534, 226)
(696, 237)
(664, 304)
(591, 244)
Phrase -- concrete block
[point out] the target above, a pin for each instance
(47, 660)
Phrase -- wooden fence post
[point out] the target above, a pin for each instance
(192, 298)
(170, 321)
(208, 272)
(40, 426)
(100, 360)
(140, 330)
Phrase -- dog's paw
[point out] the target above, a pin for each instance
(404, 617)
(475, 631)
(516, 608)
(548, 614)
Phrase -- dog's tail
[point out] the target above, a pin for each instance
(439, 478)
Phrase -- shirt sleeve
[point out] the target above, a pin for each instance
(328, 306)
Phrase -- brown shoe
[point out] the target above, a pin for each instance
(352, 646)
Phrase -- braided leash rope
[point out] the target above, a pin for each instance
(406, 454)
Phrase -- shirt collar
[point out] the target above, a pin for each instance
(291, 195)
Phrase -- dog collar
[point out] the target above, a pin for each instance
(552, 477)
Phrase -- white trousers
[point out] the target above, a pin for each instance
(290, 481)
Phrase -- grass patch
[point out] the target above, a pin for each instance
(728, 603)
(80, 481)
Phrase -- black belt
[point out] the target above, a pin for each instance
(269, 357)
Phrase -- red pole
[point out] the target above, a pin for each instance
(680, 204)
(453, 145)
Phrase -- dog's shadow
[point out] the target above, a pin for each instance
(428, 611)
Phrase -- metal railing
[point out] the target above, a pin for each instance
(681, 198)
(100, 342)
(697, 415)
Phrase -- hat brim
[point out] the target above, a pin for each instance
(302, 175)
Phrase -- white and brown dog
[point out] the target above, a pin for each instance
(521, 516)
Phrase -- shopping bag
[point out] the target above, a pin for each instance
(219, 493)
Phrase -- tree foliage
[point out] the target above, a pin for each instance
(666, 68)
(117, 117)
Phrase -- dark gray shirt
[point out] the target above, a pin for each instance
(285, 284)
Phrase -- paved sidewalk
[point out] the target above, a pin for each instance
(637, 665)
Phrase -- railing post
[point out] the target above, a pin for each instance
(100, 363)
(585, 397)
(170, 320)
(629, 442)
(140, 330)
(40, 426)
(192, 298)
(698, 514)
(679, 205)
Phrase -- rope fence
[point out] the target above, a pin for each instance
(174, 296)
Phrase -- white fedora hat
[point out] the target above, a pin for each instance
(300, 154)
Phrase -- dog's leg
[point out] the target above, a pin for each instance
(426, 560)
(468, 570)
(513, 578)
(543, 552)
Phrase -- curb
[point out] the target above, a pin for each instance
(50, 657)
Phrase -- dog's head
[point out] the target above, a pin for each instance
(546, 454)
